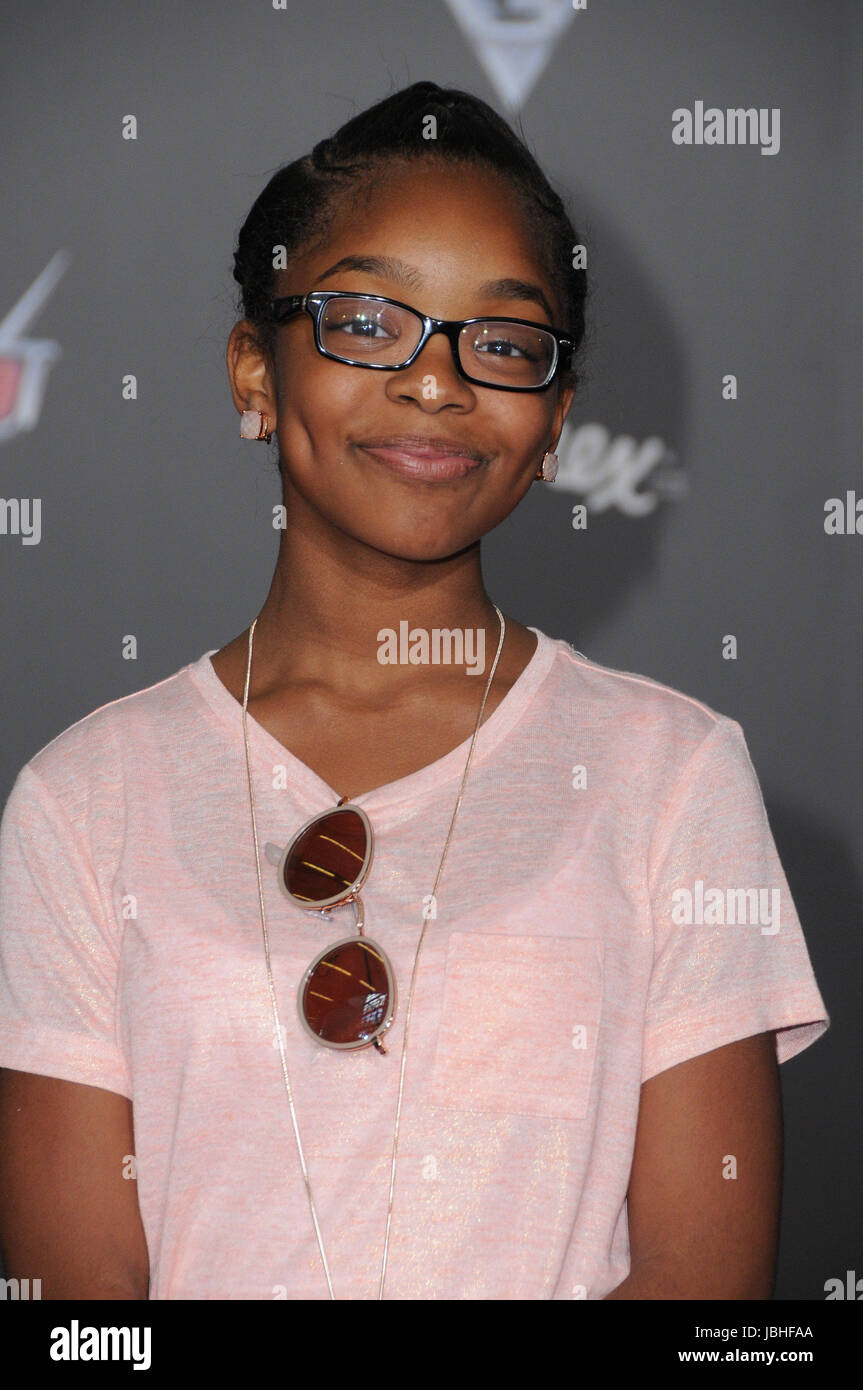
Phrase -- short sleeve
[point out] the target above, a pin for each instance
(730, 959)
(59, 954)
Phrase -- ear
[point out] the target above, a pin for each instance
(250, 372)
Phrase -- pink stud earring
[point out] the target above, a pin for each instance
(255, 425)
(547, 471)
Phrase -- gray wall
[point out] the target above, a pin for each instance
(704, 260)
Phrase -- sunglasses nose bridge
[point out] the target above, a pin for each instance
(359, 911)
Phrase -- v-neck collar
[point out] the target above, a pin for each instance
(319, 795)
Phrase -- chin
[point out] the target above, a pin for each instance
(420, 550)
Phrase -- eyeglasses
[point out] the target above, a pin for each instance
(347, 996)
(369, 330)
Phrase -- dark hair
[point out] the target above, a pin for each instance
(300, 201)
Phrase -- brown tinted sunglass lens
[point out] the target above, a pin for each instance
(347, 995)
(328, 857)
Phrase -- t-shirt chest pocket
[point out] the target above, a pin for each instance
(519, 1025)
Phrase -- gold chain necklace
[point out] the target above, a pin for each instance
(279, 1032)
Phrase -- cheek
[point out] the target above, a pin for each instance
(317, 402)
(521, 427)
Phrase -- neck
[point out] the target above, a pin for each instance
(330, 597)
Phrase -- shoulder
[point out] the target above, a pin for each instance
(636, 710)
(85, 766)
(635, 736)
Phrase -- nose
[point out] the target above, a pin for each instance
(434, 372)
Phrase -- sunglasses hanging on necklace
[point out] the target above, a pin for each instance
(347, 996)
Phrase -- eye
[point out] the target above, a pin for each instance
(361, 328)
(504, 347)
(364, 323)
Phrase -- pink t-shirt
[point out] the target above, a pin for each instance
(597, 922)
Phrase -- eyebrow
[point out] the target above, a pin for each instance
(391, 268)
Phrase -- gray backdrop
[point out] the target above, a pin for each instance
(703, 260)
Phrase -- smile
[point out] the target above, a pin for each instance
(422, 462)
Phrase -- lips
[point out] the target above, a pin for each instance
(427, 457)
(438, 445)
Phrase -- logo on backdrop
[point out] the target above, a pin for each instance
(514, 39)
(607, 472)
(25, 362)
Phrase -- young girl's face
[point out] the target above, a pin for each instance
(454, 230)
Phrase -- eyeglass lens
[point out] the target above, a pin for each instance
(501, 353)
(327, 858)
(346, 997)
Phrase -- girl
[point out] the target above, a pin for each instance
(395, 949)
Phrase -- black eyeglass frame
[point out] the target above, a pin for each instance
(313, 303)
